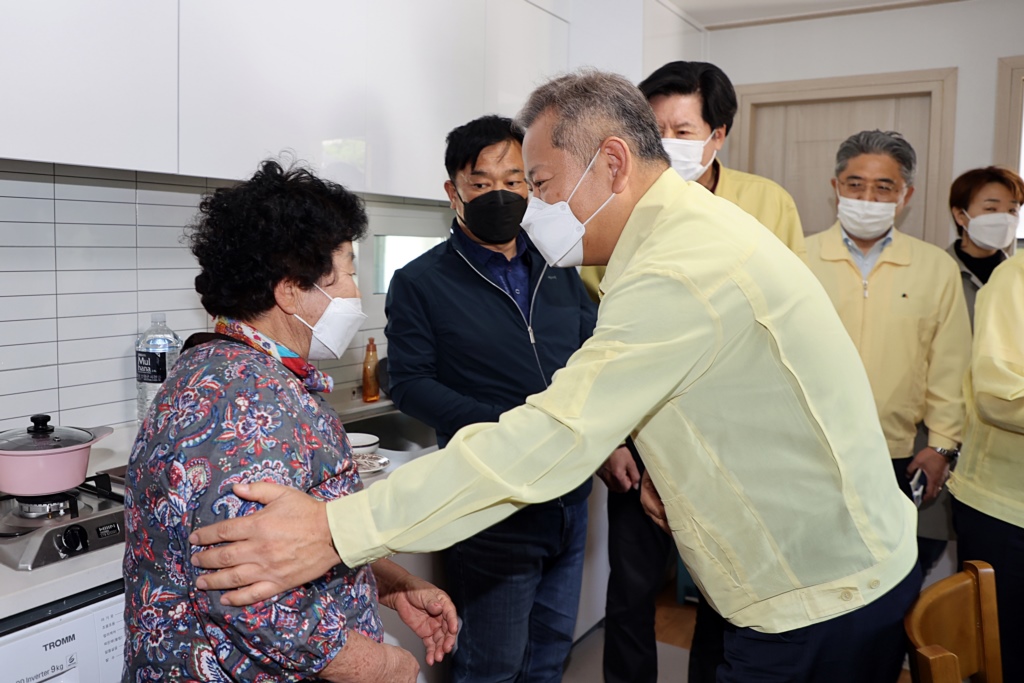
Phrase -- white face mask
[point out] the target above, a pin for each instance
(992, 230)
(866, 220)
(556, 231)
(336, 328)
(687, 156)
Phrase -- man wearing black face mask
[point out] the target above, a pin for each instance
(475, 325)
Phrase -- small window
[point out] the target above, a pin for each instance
(394, 251)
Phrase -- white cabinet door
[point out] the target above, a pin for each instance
(425, 76)
(526, 46)
(91, 83)
(260, 77)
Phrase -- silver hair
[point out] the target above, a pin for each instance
(591, 106)
(888, 142)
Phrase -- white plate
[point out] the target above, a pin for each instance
(368, 463)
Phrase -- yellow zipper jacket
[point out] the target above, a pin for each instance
(909, 322)
(717, 349)
(762, 198)
(990, 476)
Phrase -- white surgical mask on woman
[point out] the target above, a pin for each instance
(556, 231)
(336, 328)
(687, 156)
(992, 230)
(866, 220)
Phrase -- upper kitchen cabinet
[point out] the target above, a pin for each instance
(526, 45)
(92, 83)
(425, 76)
(260, 78)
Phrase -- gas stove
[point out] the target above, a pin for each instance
(40, 530)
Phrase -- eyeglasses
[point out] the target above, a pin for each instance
(883, 191)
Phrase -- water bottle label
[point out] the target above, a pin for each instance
(150, 367)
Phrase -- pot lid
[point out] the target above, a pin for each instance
(42, 436)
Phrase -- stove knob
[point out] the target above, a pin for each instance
(75, 539)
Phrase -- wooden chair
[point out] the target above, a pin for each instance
(954, 629)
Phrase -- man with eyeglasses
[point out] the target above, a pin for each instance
(902, 302)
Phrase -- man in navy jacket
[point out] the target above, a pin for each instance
(475, 325)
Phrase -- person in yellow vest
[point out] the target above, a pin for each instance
(717, 351)
(694, 104)
(988, 485)
(902, 301)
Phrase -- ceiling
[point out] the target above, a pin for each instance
(714, 14)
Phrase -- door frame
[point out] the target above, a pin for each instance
(939, 84)
(1009, 112)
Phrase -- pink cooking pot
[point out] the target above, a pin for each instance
(43, 459)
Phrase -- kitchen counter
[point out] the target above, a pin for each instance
(24, 590)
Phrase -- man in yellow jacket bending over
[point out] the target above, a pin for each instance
(903, 304)
(717, 351)
(694, 104)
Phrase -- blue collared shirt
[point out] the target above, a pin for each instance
(866, 262)
(513, 276)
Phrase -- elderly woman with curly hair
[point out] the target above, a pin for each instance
(244, 404)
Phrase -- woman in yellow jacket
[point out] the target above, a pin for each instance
(988, 485)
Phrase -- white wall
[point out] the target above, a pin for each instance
(669, 36)
(970, 35)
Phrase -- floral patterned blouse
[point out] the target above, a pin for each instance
(233, 412)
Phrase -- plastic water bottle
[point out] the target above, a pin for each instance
(156, 350)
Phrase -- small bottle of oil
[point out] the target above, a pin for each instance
(371, 389)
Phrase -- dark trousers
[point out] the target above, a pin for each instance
(1001, 544)
(863, 646)
(516, 586)
(639, 553)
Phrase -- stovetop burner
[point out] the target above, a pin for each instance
(39, 530)
(50, 507)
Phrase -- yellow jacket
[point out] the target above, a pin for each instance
(762, 198)
(718, 351)
(909, 322)
(990, 476)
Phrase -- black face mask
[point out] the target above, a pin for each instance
(494, 217)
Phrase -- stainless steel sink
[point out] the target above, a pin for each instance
(397, 431)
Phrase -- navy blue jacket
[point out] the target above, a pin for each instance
(459, 348)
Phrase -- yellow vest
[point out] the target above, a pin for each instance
(990, 476)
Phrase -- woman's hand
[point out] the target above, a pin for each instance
(363, 660)
(425, 608)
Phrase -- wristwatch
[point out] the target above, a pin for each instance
(950, 454)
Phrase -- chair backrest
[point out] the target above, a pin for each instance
(954, 628)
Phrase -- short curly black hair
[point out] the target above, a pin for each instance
(281, 224)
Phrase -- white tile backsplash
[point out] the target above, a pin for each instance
(26, 235)
(12, 283)
(150, 236)
(96, 326)
(94, 189)
(89, 235)
(86, 256)
(27, 185)
(96, 258)
(28, 379)
(27, 356)
(83, 281)
(86, 395)
(26, 258)
(98, 212)
(28, 331)
(82, 350)
(96, 304)
(27, 307)
(26, 210)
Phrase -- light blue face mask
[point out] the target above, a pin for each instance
(555, 230)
